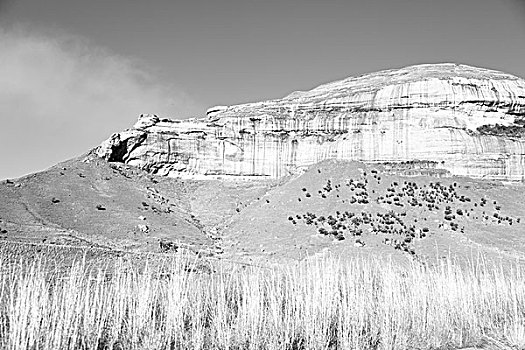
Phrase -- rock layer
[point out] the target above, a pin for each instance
(430, 113)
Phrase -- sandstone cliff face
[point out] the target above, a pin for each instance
(424, 112)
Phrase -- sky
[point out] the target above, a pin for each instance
(73, 72)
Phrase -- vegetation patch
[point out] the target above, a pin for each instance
(398, 212)
(502, 130)
(111, 303)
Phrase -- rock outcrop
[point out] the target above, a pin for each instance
(439, 113)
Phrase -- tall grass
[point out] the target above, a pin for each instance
(321, 304)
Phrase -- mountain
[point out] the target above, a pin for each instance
(403, 163)
(466, 120)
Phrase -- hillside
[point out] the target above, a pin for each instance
(403, 211)
(349, 209)
(87, 201)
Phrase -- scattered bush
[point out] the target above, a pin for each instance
(502, 130)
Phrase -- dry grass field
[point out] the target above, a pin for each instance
(54, 299)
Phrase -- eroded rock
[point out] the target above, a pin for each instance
(437, 113)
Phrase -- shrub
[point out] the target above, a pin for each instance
(502, 130)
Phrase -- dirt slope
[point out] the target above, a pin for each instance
(90, 201)
(344, 208)
(350, 208)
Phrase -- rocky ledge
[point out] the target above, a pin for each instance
(469, 121)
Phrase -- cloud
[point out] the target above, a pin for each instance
(61, 95)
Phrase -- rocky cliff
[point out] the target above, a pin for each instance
(466, 120)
